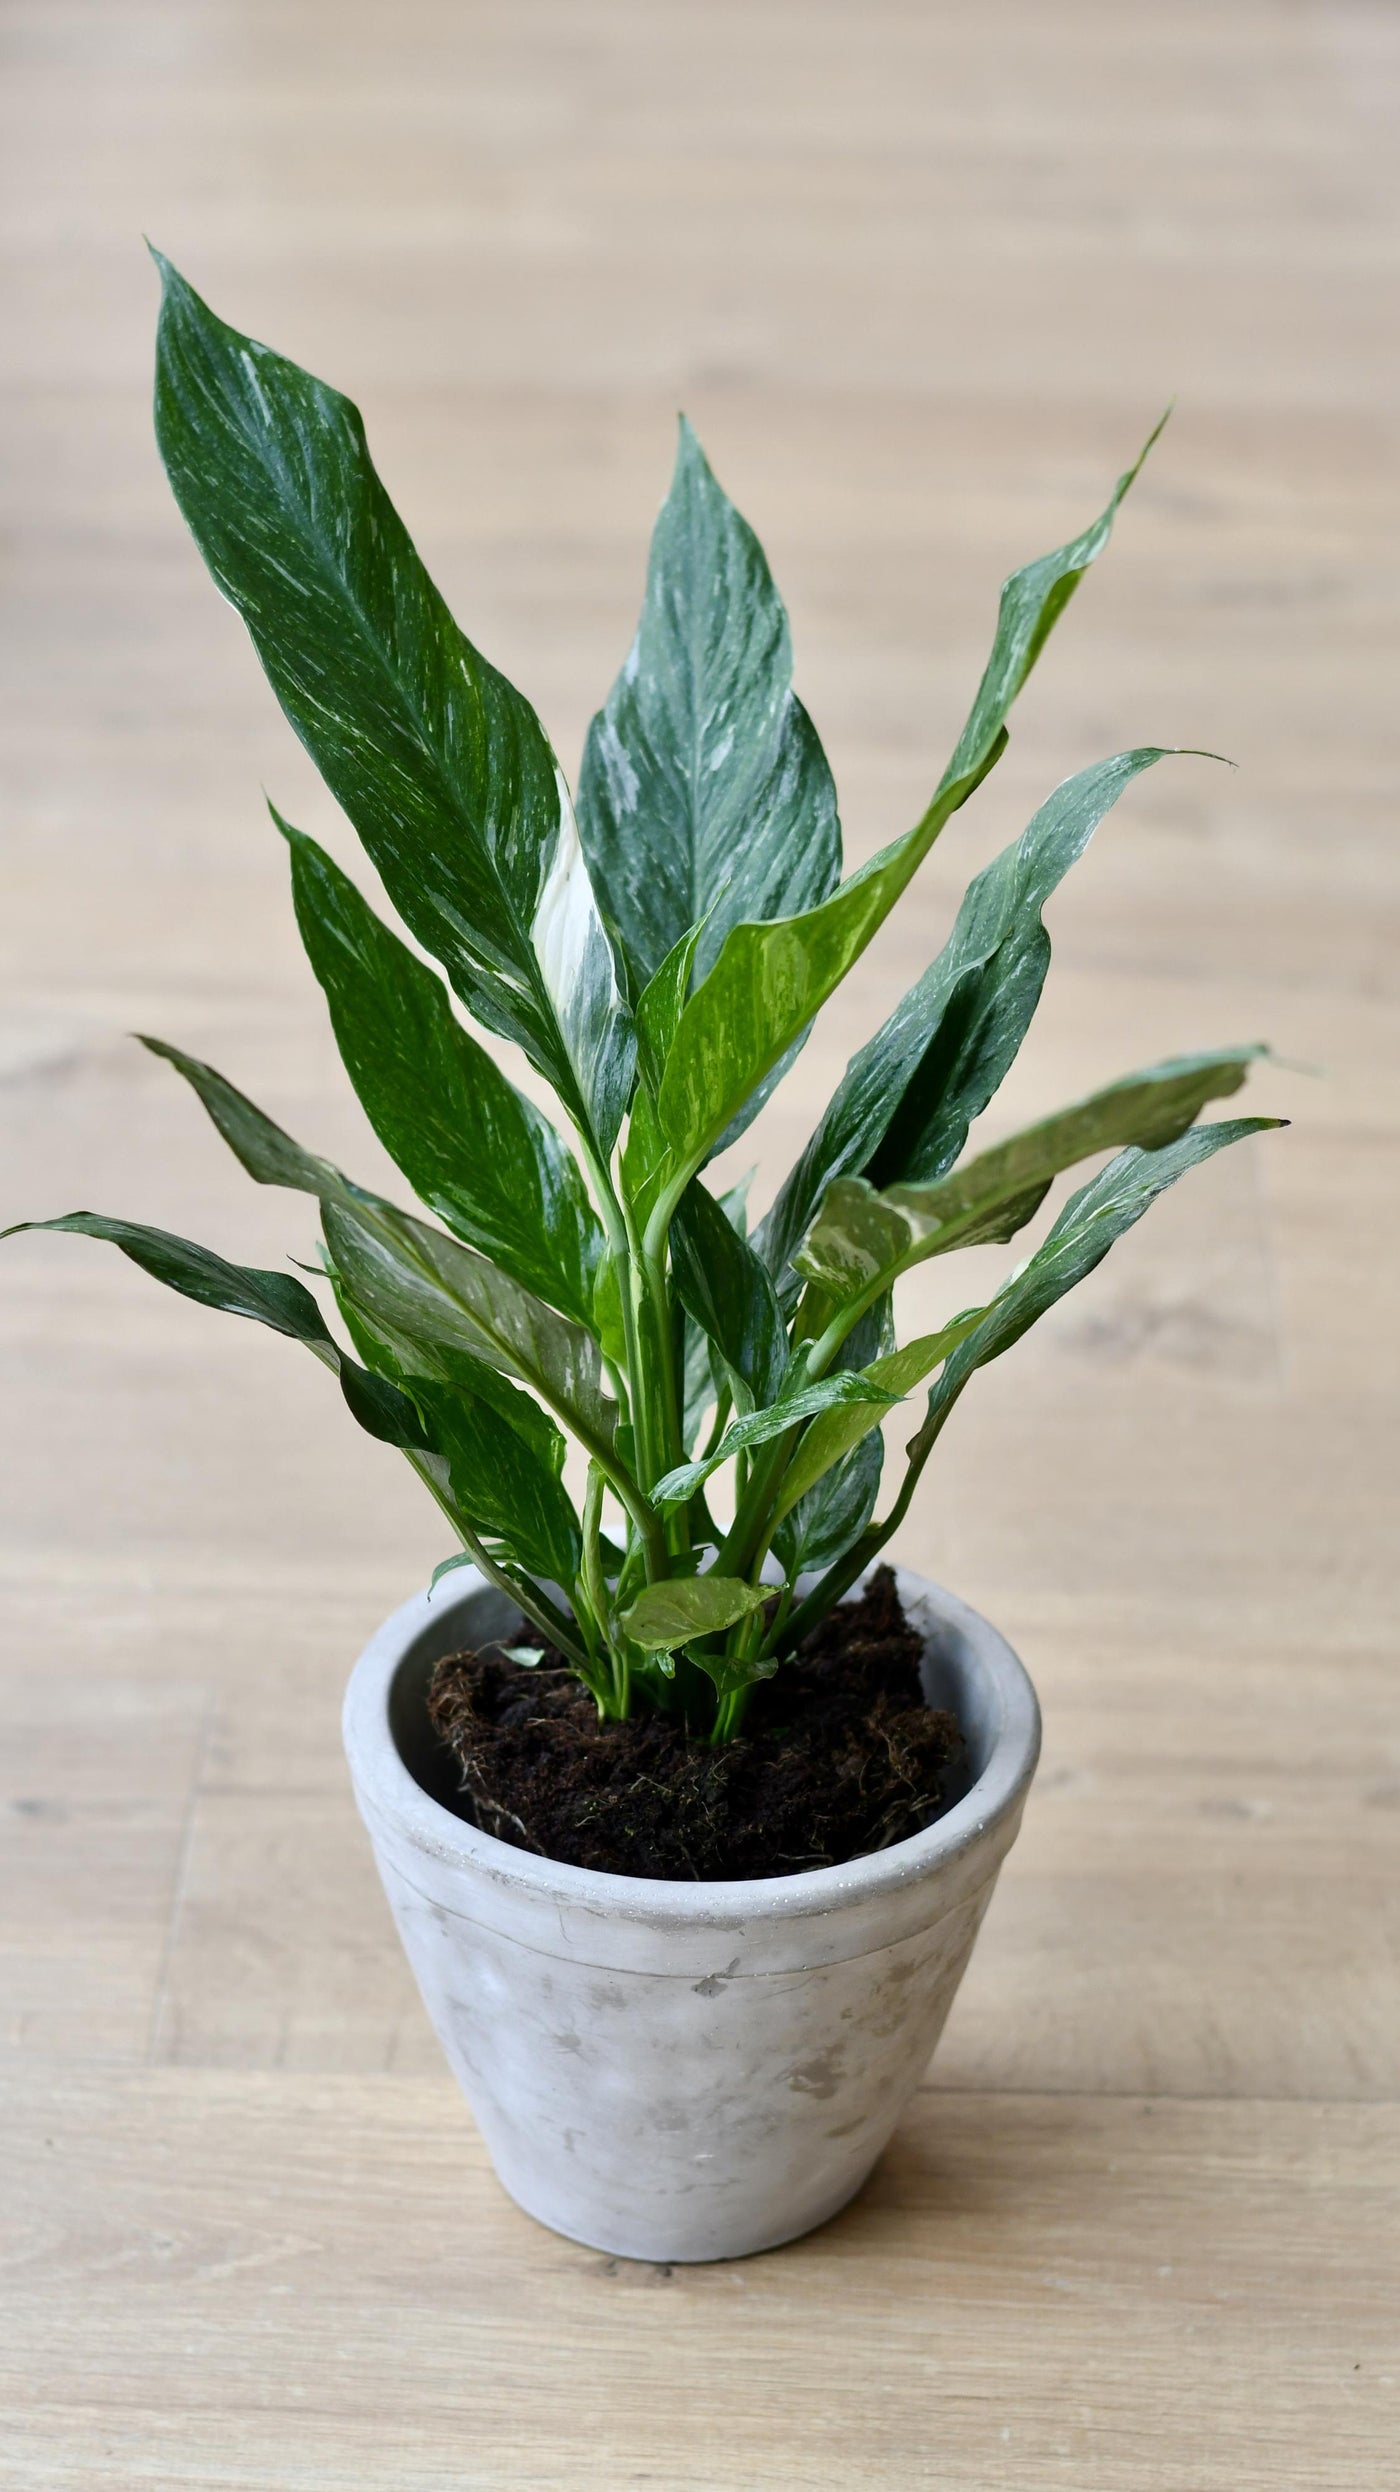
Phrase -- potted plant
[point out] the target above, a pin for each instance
(688, 1813)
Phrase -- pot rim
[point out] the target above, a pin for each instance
(385, 1785)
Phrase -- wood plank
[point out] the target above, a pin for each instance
(96, 1783)
(237, 2282)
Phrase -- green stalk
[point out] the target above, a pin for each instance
(648, 1305)
(723, 1407)
(728, 1717)
(747, 1543)
(616, 1704)
(622, 1247)
(748, 1536)
(659, 1302)
(729, 1713)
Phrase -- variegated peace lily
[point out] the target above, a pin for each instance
(657, 948)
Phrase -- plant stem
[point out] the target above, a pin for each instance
(655, 1399)
(748, 1535)
(723, 1407)
(729, 1716)
(619, 1695)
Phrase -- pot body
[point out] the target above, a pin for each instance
(668, 2070)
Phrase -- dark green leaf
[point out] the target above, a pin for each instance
(704, 793)
(497, 1474)
(441, 765)
(382, 1410)
(476, 1151)
(831, 1516)
(728, 1292)
(698, 1388)
(498, 1456)
(909, 1095)
(509, 1326)
(667, 1615)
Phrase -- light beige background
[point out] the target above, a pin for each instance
(922, 275)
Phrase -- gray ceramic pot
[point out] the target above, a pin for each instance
(671, 2070)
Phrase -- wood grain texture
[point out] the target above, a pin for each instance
(922, 277)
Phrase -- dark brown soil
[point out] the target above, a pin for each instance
(839, 1755)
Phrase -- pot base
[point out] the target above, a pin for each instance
(648, 2251)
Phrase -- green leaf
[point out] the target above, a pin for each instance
(667, 1615)
(1032, 601)
(859, 1234)
(382, 1410)
(909, 1095)
(704, 792)
(830, 1518)
(836, 1432)
(1148, 1108)
(273, 1158)
(1092, 1221)
(767, 985)
(606, 1321)
(269, 1155)
(449, 1566)
(855, 1236)
(660, 1005)
(498, 1456)
(770, 980)
(498, 1475)
(271, 1298)
(476, 1151)
(441, 765)
(697, 1377)
(645, 1159)
(762, 1425)
(728, 1292)
(431, 1301)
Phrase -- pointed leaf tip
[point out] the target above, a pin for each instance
(288, 829)
(172, 284)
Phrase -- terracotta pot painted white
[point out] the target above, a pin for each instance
(671, 2070)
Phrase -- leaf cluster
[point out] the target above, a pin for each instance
(657, 946)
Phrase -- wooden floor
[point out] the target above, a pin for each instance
(923, 275)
